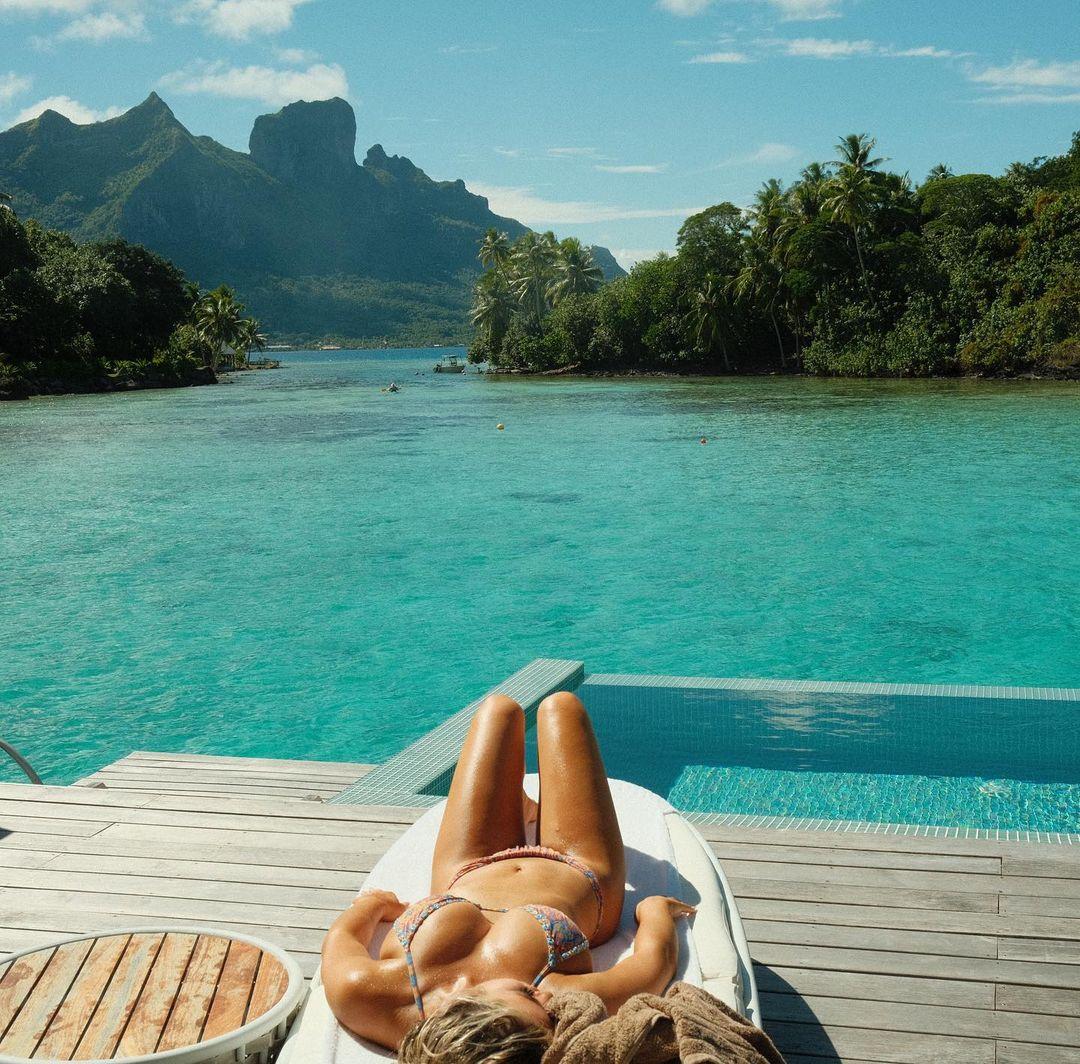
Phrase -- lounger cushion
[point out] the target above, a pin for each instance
(663, 856)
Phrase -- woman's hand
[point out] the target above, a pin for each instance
(390, 907)
(658, 905)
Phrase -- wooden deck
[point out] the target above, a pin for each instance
(867, 948)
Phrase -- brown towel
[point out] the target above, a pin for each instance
(686, 1024)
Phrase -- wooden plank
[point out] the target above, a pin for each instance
(228, 1011)
(883, 962)
(114, 1007)
(1020, 1053)
(1055, 861)
(129, 777)
(31, 1021)
(287, 817)
(771, 866)
(872, 916)
(12, 941)
(41, 825)
(925, 1019)
(271, 982)
(17, 980)
(171, 887)
(860, 985)
(869, 840)
(888, 1047)
(1038, 999)
(163, 910)
(884, 897)
(192, 1007)
(926, 942)
(71, 1019)
(225, 836)
(60, 921)
(159, 992)
(845, 858)
(1065, 951)
(1041, 906)
(257, 762)
(218, 871)
(245, 792)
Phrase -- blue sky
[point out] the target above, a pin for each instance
(611, 119)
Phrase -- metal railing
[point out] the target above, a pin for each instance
(21, 761)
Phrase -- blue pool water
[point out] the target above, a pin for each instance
(298, 564)
(953, 761)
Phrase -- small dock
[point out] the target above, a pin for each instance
(867, 947)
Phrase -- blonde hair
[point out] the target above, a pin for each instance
(471, 1031)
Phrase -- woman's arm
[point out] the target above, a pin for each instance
(361, 991)
(648, 969)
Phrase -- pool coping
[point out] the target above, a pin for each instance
(408, 778)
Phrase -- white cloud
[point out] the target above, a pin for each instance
(721, 57)
(627, 258)
(467, 49)
(772, 152)
(684, 8)
(78, 113)
(240, 19)
(296, 56)
(927, 51)
(640, 168)
(524, 205)
(265, 84)
(788, 10)
(806, 10)
(45, 7)
(12, 85)
(509, 153)
(571, 152)
(105, 26)
(1030, 74)
(1029, 81)
(825, 48)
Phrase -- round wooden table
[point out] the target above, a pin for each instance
(151, 994)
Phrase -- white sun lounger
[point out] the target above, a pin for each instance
(664, 855)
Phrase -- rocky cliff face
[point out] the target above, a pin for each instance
(316, 243)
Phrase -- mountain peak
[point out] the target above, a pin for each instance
(306, 141)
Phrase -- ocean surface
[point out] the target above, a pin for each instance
(299, 564)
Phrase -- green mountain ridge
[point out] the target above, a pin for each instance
(315, 243)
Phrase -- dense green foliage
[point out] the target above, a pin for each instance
(103, 316)
(318, 246)
(851, 270)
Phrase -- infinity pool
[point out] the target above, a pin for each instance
(965, 757)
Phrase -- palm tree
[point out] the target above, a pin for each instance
(5, 199)
(576, 272)
(493, 307)
(220, 324)
(532, 263)
(494, 250)
(707, 317)
(760, 281)
(852, 195)
(248, 339)
(942, 170)
(855, 150)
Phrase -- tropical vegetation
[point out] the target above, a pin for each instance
(105, 316)
(850, 270)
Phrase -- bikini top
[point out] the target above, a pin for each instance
(564, 938)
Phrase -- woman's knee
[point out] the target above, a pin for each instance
(562, 707)
(501, 710)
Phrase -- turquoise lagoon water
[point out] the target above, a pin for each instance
(297, 564)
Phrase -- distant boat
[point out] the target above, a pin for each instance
(329, 347)
(453, 364)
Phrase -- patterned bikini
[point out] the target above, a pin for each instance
(564, 938)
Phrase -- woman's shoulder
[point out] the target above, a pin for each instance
(373, 1000)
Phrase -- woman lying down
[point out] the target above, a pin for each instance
(469, 973)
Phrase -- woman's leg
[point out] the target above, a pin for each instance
(484, 810)
(577, 815)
